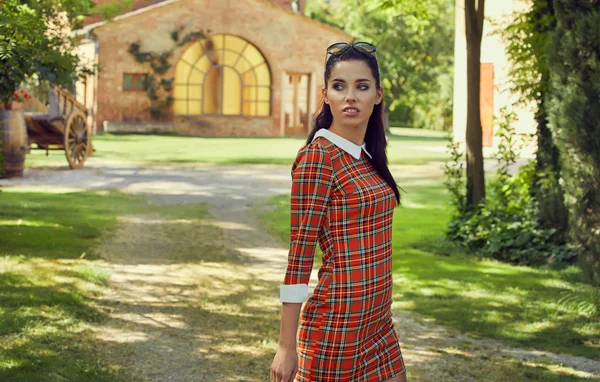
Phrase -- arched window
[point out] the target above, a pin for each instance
(225, 75)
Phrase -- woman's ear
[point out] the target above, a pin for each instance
(324, 92)
(379, 96)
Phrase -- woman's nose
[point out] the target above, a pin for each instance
(350, 95)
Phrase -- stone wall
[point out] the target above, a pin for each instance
(119, 127)
(223, 126)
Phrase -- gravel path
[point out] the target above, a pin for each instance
(154, 330)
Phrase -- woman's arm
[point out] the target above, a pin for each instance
(289, 325)
(312, 182)
(285, 363)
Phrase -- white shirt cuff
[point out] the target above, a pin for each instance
(293, 293)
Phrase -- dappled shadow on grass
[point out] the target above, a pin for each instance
(53, 357)
(517, 304)
(436, 353)
(439, 362)
(207, 326)
(179, 234)
(42, 320)
(66, 226)
(58, 226)
(186, 304)
(179, 287)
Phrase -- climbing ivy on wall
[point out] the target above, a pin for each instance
(158, 87)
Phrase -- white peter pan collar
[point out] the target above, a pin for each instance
(341, 142)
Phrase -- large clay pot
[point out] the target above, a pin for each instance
(14, 139)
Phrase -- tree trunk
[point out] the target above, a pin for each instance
(475, 173)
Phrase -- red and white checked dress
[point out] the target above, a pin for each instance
(346, 331)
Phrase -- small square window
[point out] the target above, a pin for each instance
(127, 81)
(134, 81)
(140, 80)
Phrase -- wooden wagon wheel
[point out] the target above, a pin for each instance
(78, 139)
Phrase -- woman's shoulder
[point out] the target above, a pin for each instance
(319, 146)
(319, 151)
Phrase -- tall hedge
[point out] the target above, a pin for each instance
(574, 61)
(527, 39)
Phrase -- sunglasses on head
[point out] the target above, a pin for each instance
(361, 47)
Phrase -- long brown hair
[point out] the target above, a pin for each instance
(375, 136)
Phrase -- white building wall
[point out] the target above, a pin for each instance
(85, 91)
(492, 51)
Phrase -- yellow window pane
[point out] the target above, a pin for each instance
(234, 43)
(264, 94)
(212, 92)
(194, 108)
(230, 58)
(249, 108)
(253, 55)
(182, 71)
(232, 92)
(180, 91)
(243, 65)
(192, 53)
(194, 92)
(264, 109)
(203, 65)
(249, 94)
(196, 77)
(214, 76)
(179, 106)
(263, 75)
(249, 78)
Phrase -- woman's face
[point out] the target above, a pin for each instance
(352, 93)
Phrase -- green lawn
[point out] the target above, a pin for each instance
(46, 290)
(525, 307)
(405, 147)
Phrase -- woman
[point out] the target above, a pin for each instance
(343, 197)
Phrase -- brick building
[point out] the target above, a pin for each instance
(256, 71)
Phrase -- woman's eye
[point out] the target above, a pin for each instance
(363, 87)
(338, 87)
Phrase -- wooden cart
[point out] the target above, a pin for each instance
(62, 127)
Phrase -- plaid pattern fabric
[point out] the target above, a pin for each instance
(346, 331)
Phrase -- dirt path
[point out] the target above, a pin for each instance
(194, 294)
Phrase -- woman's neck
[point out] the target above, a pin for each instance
(355, 134)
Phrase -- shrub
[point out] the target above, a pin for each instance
(505, 226)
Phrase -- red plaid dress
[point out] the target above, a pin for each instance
(346, 331)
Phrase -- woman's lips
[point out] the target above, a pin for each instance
(350, 111)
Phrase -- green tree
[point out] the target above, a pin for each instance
(574, 62)
(527, 39)
(414, 48)
(33, 40)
